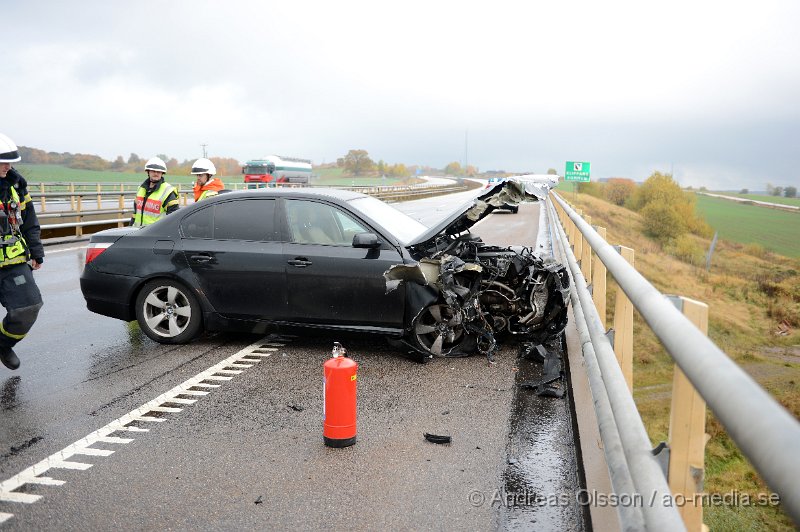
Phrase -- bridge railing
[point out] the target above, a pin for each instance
(765, 432)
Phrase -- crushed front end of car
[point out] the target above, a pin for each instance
(464, 295)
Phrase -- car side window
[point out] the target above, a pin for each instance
(311, 222)
(199, 224)
(249, 219)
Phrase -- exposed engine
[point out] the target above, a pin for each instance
(482, 293)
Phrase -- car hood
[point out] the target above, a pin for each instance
(512, 192)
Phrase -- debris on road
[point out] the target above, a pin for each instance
(435, 438)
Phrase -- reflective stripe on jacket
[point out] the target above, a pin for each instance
(16, 253)
(150, 208)
(211, 188)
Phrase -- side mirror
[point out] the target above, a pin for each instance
(367, 240)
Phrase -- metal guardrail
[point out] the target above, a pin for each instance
(766, 433)
(633, 468)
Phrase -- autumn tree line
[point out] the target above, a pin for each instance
(133, 164)
(668, 212)
(356, 163)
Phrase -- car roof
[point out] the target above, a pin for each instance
(297, 192)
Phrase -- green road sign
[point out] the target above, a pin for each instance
(577, 171)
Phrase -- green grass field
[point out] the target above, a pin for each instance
(49, 173)
(762, 197)
(775, 230)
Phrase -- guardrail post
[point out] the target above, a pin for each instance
(42, 201)
(78, 228)
(599, 282)
(72, 196)
(623, 327)
(577, 245)
(586, 255)
(687, 430)
(121, 201)
(99, 197)
(571, 232)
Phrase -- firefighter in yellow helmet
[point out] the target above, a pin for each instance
(155, 198)
(21, 251)
(206, 184)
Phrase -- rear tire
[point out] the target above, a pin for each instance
(167, 312)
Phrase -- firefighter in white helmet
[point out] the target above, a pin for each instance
(206, 184)
(155, 198)
(21, 251)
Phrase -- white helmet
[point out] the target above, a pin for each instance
(204, 166)
(8, 150)
(156, 164)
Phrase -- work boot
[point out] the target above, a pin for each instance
(9, 357)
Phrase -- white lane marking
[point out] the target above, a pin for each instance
(60, 460)
(47, 481)
(89, 451)
(149, 419)
(13, 496)
(113, 439)
(180, 401)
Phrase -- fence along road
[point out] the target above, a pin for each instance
(766, 433)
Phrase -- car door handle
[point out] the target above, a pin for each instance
(300, 263)
(201, 258)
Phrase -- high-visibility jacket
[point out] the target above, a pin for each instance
(15, 253)
(211, 188)
(22, 222)
(151, 205)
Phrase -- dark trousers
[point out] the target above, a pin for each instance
(22, 300)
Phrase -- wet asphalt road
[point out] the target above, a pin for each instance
(249, 455)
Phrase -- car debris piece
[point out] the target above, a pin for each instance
(550, 385)
(435, 438)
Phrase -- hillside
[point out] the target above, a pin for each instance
(752, 294)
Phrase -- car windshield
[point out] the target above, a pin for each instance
(398, 223)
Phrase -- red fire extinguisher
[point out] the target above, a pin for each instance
(339, 399)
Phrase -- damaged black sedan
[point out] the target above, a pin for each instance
(329, 259)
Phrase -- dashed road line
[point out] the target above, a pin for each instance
(205, 381)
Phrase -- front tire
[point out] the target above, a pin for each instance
(167, 312)
(438, 331)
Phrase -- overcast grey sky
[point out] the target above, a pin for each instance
(710, 90)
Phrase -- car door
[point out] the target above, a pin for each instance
(328, 280)
(234, 252)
